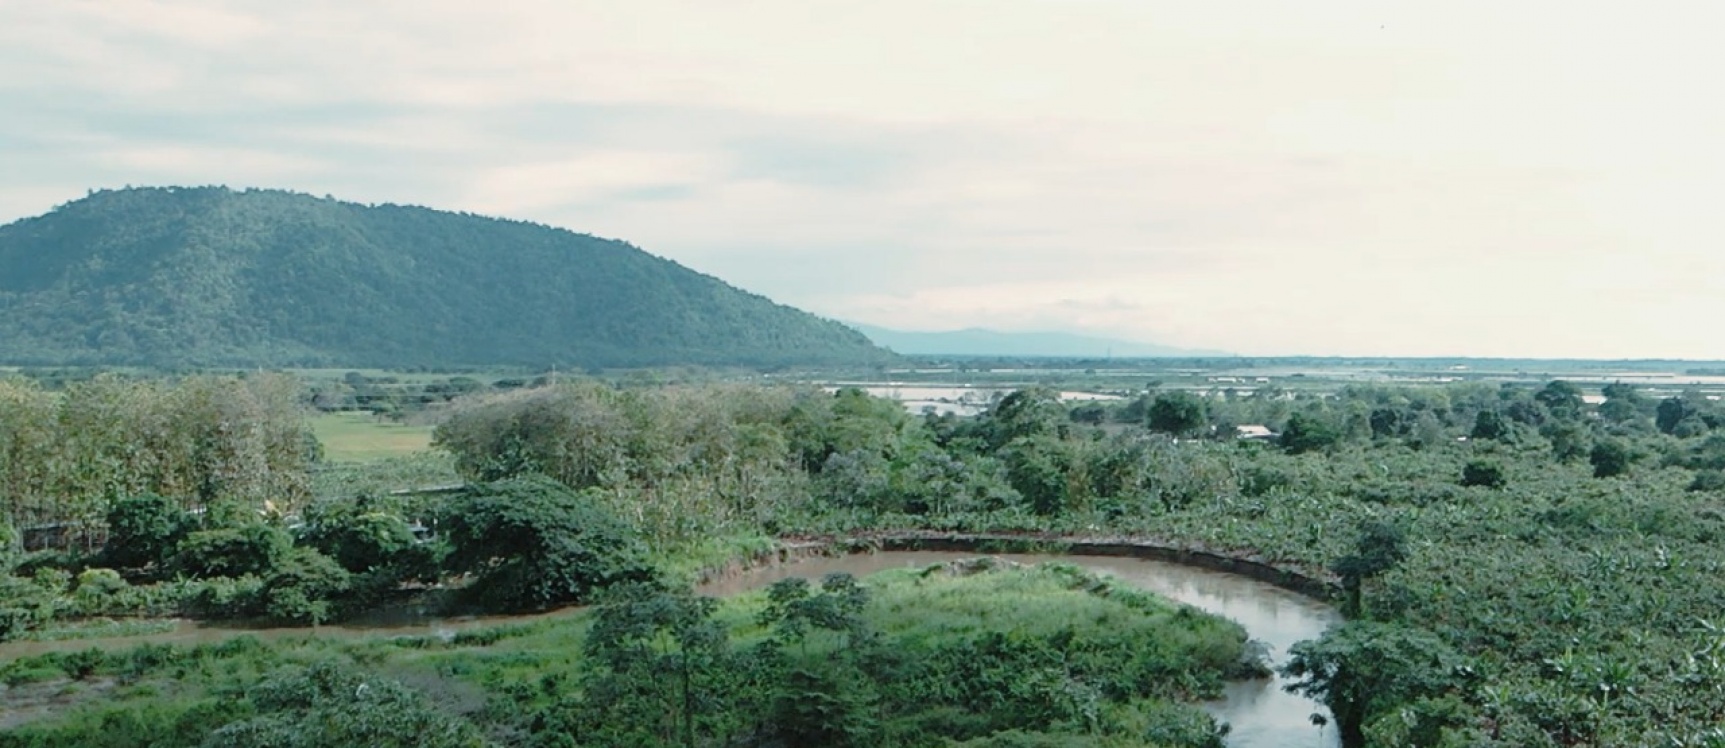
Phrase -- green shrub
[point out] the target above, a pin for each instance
(1483, 474)
(360, 539)
(225, 597)
(144, 531)
(1708, 480)
(253, 549)
(303, 587)
(325, 706)
(534, 543)
(1611, 458)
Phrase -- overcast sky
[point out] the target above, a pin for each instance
(1271, 177)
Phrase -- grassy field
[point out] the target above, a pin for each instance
(362, 437)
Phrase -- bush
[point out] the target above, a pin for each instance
(253, 549)
(226, 597)
(534, 543)
(24, 605)
(1482, 473)
(1309, 432)
(357, 537)
(96, 590)
(302, 588)
(1611, 458)
(33, 564)
(326, 706)
(1708, 480)
(143, 531)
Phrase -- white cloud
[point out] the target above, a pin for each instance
(1364, 177)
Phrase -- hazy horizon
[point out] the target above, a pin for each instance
(1454, 179)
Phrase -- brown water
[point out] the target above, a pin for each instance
(1261, 714)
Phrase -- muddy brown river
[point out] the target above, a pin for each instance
(1260, 713)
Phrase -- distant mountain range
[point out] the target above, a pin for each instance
(980, 342)
(195, 277)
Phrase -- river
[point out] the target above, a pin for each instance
(1261, 713)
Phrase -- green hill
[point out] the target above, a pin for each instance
(186, 277)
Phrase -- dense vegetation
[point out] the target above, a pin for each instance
(1528, 569)
(995, 656)
(214, 277)
(223, 443)
(1522, 568)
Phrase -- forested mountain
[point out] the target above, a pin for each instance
(216, 277)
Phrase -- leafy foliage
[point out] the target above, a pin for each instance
(1482, 473)
(326, 706)
(143, 530)
(533, 543)
(251, 549)
(1360, 668)
(920, 657)
(1178, 413)
(224, 444)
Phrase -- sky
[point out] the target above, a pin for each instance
(1408, 178)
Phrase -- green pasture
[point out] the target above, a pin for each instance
(363, 437)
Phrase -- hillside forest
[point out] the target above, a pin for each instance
(1517, 566)
(199, 277)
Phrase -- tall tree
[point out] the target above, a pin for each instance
(1363, 669)
(1379, 547)
(1178, 413)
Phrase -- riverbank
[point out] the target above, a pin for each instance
(746, 558)
(1294, 579)
(945, 655)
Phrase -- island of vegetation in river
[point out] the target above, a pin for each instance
(973, 654)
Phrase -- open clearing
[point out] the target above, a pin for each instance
(363, 437)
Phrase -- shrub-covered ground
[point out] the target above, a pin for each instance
(982, 652)
(1523, 568)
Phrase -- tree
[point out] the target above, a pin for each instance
(1379, 547)
(364, 539)
(1308, 432)
(1092, 413)
(793, 609)
(858, 478)
(253, 549)
(1671, 411)
(1623, 404)
(533, 543)
(144, 531)
(1708, 480)
(1026, 413)
(1390, 422)
(660, 650)
(303, 586)
(1611, 457)
(1489, 424)
(1361, 669)
(814, 703)
(1482, 473)
(1037, 469)
(1562, 399)
(1570, 440)
(1178, 413)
